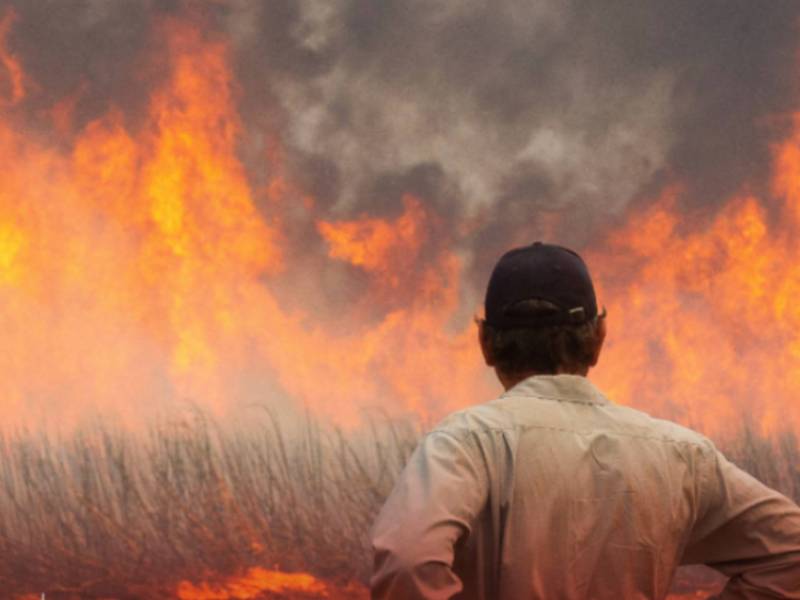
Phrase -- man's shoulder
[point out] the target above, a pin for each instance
(504, 415)
(474, 419)
(481, 416)
(638, 423)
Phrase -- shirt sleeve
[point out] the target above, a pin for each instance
(438, 495)
(748, 532)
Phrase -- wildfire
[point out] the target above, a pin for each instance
(141, 264)
(704, 319)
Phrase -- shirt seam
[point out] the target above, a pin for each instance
(555, 399)
(462, 433)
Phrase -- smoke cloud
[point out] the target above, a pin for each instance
(506, 112)
(528, 120)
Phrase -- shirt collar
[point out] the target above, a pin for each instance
(565, 388)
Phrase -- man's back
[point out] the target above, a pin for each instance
(552, 491)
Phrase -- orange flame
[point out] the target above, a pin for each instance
(705, 320)
(254, 584)
(390, 249)
(132, 250)
(139, 267)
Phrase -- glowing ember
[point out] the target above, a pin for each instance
(261, 583)
(254, 584)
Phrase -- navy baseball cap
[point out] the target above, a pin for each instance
(540, 272)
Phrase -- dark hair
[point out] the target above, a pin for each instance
(547, 350)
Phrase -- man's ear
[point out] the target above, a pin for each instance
(483, 341)
(600, 336)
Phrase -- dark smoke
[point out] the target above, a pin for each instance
(548, 119)
(514, 120)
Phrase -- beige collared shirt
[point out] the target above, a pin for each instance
(552, 491)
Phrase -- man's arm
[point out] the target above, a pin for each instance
(438, 495)
(747, 531)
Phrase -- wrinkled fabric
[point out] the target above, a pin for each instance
(552, 491)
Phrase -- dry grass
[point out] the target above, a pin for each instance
(104, 513)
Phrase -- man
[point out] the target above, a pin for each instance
(552, 491)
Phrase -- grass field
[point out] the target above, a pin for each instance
(193, 509)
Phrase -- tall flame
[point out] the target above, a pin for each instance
(705, 319)
(139, 266)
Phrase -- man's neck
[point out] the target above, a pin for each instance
(510, 380)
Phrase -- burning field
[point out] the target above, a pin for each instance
(242, 244)
(196, 511)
